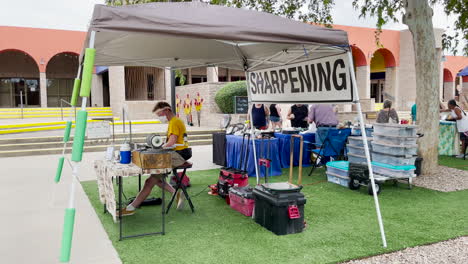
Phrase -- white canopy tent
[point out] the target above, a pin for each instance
(285, 61)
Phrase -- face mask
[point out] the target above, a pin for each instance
(163, 119)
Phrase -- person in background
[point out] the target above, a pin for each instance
(275, 116)
(260, 115)
(456, 114)
(324, 117)
(387, 114)
(413, 113)
(298, 115)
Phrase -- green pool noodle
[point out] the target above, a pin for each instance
(67, 234)
(87, 76)
(80, 132)
(76, 92)
(66, 135)
(58, 174)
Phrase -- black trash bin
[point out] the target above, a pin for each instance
(279, 207)
(418, 164)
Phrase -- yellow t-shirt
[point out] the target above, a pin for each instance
(177, 127)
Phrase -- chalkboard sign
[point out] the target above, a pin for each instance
(241, 104)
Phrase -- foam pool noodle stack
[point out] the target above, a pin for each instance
(66, 137)
(76, 92)
(67, 235)
(80, 132)
(85, 90)
(77, 150)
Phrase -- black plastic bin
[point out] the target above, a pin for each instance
(219, 148)
(279, 207)
(418, 164)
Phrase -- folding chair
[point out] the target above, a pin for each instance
(332, 146)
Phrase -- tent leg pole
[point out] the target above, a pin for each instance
(252, 134)
(69, 222)
(366, 150)
(173, 92)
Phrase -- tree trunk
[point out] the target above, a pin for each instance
(418, 17)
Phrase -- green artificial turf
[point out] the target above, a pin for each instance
(453, 162)
(342, 225)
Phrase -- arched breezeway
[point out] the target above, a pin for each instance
(61, 71)
(19, 79)
(358, 56)
(361, 68)
(460, 82)
(383, 76)
(448, 86)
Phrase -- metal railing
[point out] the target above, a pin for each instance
(125, 114)
(21, 100)
(61, 108)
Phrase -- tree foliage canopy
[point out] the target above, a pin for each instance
(319, 11)
(390, 11)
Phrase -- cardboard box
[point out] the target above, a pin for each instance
(149, 160)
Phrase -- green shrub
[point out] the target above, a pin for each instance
(225, 96)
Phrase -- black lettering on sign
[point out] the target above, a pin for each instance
(350, 80)
(267, 83)
(260, 85)
(324, 76)
(314, 76)
(253, 86)
(274, 81)
(342, 75)
(283, 78)
(305, 78)
(293, 80)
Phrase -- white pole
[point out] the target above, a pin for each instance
(71, 200)
(252, 134)
(79, 70)
(366, 150)
(69, 222)
(92, 37)
(84, 100)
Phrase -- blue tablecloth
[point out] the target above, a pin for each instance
(285, 149)
(233, 154)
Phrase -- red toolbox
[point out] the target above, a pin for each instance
(241, 200)
(231, 177)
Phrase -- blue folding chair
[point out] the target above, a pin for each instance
(333, 146)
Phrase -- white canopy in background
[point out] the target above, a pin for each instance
(284, 60)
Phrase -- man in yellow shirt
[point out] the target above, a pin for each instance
(176, 133)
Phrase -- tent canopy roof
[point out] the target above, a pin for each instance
(193, 34)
